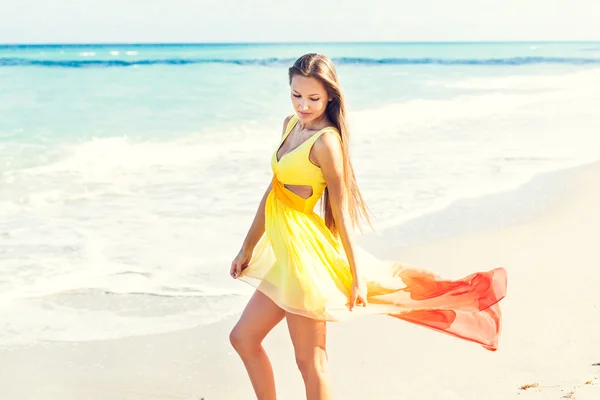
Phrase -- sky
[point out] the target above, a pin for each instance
(127, 21)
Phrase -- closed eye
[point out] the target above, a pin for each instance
(298, 96)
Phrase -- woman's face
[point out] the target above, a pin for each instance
(309, 97)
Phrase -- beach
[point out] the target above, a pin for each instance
(549, 336)
(130, 173)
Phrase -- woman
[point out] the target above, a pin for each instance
(307, 268)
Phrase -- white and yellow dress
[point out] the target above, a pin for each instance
(300, 265)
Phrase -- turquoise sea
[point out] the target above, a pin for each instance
(130, 173)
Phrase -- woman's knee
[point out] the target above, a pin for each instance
(313, 364)
(259, 317)
(236, 338)
(242, 342)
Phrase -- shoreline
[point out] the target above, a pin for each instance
(548, 338)
(496, 210)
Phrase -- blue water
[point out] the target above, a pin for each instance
(130, 173)
(154, 90)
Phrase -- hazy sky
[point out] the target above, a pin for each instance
(43, 21)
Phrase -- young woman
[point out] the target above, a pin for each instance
(307, 269)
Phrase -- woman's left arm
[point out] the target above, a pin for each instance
(328, 155)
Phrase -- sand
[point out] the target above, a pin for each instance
(550, 336)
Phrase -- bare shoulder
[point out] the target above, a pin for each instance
(328, 148)
(330, 141)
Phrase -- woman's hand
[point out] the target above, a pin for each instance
(239, 263)
(358, 295)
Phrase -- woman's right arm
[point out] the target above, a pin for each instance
(241, 260)
(258, 225)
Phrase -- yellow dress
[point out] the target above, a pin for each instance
(300, 265)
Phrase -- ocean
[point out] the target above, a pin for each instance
(130, 173)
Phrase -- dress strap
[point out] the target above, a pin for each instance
(290, 125)
(311, 140)
(308, 143)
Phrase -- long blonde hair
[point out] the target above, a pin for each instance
(321, 67)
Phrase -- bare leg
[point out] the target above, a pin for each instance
(257, 320)
(309, 339)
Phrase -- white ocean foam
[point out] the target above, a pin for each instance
(576, 80)
(423, 114)
(118, 283)
(474, 145)
(26, 322)
(8, 208)
(106, 158)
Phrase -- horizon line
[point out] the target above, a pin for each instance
(294, 43)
